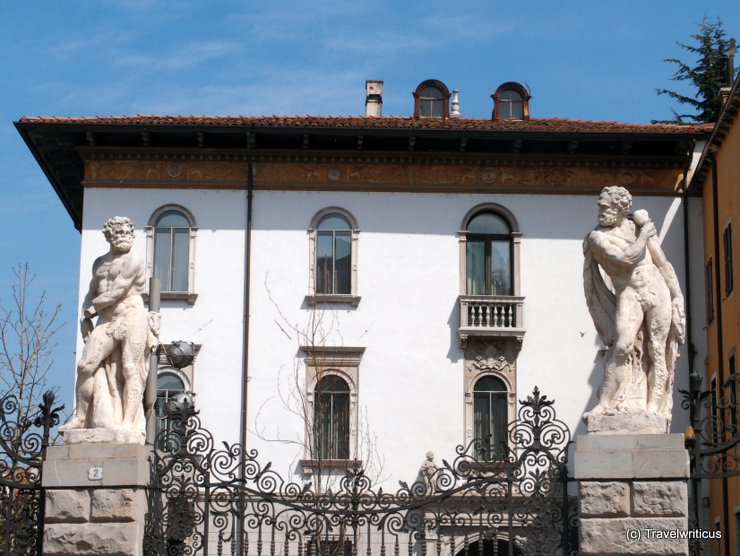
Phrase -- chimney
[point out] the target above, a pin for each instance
(455, 113)
(724, 92)
(373, 98)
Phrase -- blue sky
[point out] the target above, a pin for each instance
(590, 59)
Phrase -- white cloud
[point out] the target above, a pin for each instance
(291, 92)
(447, 28)
(184, 57)
(77, 46)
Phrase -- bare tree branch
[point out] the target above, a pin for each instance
(27, 332)
(301, 400)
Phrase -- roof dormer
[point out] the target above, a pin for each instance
(432, 100)
(511, 102)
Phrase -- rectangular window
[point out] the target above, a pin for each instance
(324, 263)
(717, 542)
(162, 252)
(331, 418)
(727, 240)
(179, 264)
(709, 289)
(500, 268)
(732, 386)
(490, 416)
(714, 415)
(488, 267)
(334, 262)
(476, 271)
(343, 262)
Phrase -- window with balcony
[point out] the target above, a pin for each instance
(432, 100)
(490, 418)
(170, 252)
(488, 268)
(333, 250)
(490, 304)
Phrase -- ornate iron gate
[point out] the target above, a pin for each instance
(220, 500)
(23, 443)
(713, 442)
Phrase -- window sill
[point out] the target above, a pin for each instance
(311, 466)
(190, 297)
(333, 299)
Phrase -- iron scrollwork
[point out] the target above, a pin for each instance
(714, 442)
(23, 444)
(713, 439)
(221, 499)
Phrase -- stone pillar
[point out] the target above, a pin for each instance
(95, 499)
(633, 494)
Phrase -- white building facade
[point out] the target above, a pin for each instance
(373, 288)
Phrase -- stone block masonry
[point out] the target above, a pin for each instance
(633, 494)
(95, 499)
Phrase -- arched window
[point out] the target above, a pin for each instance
(331, 418)
(488, 256)
(334, 255)
(333, 238)
(171, 238)
(169, 385)
(511, 105)
(490, 417)
(511, 102)
(490, 299)
(432, 100)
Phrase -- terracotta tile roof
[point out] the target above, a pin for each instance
(554, 125)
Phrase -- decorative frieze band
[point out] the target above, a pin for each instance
(443, 175)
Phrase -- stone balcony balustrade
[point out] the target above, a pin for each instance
(491, 316)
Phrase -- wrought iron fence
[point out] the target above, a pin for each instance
(713, 440)
(23, 443)
(209, 499)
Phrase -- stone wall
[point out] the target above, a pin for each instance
(95, 499)
(633, 494)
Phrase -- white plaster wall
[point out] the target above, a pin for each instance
(215, 320)
(411, 376)
(698, 293)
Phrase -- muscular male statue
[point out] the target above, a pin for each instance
(112, 371)
(641, 317)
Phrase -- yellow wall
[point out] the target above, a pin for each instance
(724, 493)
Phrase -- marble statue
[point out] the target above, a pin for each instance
(427, 470)
(112, 371)
(636, 303)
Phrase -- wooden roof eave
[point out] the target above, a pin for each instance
(55, 131)
(74, 211)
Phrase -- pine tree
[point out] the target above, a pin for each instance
(708, 74)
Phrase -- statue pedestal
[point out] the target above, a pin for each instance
(95, 499)
(633, 493)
